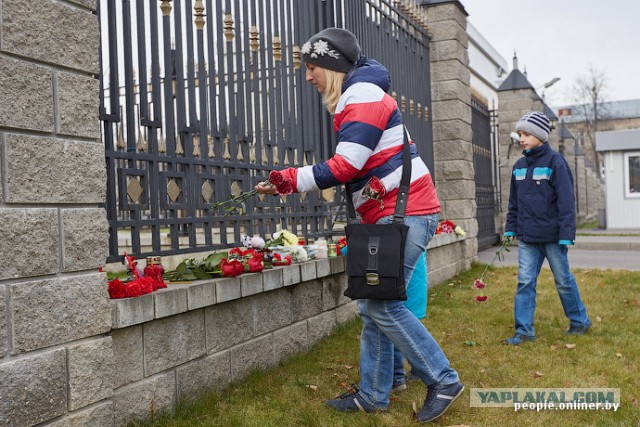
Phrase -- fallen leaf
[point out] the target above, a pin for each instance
(313, 387)
(415, 409)
(537, 374)
(470, 343)
(344, 385)
(634, 403)
(618, 355)
(482, 385)
(553, 347)
(598, 319)
(570, 345)
(481, 370)
(348, 366)
(451, 284)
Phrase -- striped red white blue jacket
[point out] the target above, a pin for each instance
(369, 151)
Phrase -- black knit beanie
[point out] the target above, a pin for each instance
(332, 48)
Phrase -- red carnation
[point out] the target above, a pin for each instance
(478, 284)
(117, 289)
(146, 285)
(275, 178)
(285, 187)
(133, 289)
(481, 298)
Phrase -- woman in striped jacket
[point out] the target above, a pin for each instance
(369, 157)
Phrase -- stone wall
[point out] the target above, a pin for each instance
(54, 308)
(188, 339)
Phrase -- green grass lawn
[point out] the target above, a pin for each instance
(470, 333)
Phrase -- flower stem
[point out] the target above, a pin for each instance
(503, 246)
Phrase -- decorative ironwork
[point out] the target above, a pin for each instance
(168, 80)
(484, 174)
(134, 190)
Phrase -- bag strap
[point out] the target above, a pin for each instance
(403, 189)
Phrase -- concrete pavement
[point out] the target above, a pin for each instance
(600, 249)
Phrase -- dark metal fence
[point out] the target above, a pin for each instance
(483, 165)
(200, 99)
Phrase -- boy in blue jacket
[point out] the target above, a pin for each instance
(541, 216)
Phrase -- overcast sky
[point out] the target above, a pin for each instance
(562, 38)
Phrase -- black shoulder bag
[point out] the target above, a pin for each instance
(375, 252)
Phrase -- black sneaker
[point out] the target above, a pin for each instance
(350, 401)
(439, 398)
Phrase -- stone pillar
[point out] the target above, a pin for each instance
(451, 105)
(54, 306)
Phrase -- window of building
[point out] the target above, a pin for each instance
(632, 178)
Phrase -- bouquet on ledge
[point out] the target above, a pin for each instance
(136, 282)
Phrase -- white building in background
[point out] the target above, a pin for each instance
(621, 150)
(488, 68)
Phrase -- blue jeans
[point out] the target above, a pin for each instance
(530, 259)
(389, 324)
(415, 282)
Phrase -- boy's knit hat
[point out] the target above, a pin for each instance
(332, 48)
(536, 124)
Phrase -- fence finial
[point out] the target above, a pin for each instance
(277, 48)
(254, 38)
(199, 14)
(228, 27)
(166, 7)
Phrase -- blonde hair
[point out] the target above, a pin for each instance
(333, 89)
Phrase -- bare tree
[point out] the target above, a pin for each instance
(589, 92)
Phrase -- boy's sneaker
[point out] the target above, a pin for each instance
(578, 330)
(518, 339)
(398, 387)
(439, 398)
(350, 402)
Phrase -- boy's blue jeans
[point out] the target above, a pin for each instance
(530, 259)
(389, 323)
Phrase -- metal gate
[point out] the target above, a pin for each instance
(201, 99)
(484, 167)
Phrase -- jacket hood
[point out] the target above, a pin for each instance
(368, 71)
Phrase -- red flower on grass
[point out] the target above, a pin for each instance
(480, 283)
